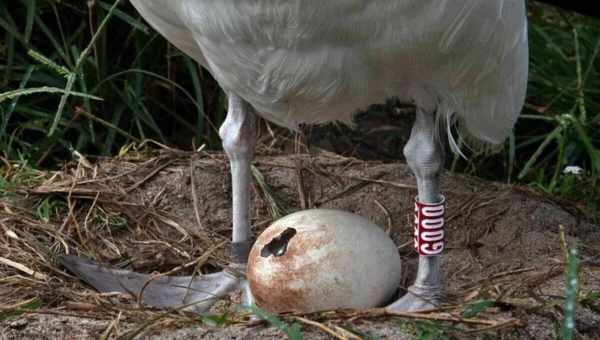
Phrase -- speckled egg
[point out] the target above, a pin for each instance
(323, 259)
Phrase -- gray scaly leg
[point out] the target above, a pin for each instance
(424, 156)
(238, 133)
(196, 293)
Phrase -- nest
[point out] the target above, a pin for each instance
(168, 211)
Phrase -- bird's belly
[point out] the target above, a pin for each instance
(311, 61)
(307, 61)
(293, 87)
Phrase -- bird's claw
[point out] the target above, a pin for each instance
(417, 298)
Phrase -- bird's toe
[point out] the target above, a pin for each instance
(417, 299)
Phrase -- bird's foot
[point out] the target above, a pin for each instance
(192, 293)
(417, 298)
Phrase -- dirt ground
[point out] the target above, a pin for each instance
(155, 212)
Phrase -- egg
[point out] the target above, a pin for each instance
(323, 259)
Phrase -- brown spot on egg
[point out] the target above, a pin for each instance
(322, 259)
(287, 285)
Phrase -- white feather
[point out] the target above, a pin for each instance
(313, 61)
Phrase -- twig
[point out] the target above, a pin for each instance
(347, 333)
(406, 244)
(71, 216)
(107, 124)
(274, 209)
(52, 312)
(349, 190)
(500, 325)
(388, 217)
(88, 215)
(507, 273)
(114, 177)
(150, 175)
(323, 328)
(195, 195)
(302, 197)
(380, 181)
(381, 312)
(23, 268)
(17, 305)
(106, 334)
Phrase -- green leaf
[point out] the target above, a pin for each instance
(215, 320)
(53, 40)
(292, 331)
(47, 62)
(32, 304)
(473, 309)
(195, 74)
(133, 22)
(73, 76)
(532, 160)
(44, 89)
(428, 330)
(31, 7)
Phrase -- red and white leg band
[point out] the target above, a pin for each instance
(429, 227)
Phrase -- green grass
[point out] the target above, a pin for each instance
(58, 59)
(560, 125)
(292, 331)
(91, 79)
(563, 93)
(572, 281)
(29, 305)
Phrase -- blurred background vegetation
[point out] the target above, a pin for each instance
(92, 76)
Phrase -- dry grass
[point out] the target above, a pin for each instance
(105, 210)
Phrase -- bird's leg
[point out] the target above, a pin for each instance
(196, 293)
(238, 133)
(424, 156)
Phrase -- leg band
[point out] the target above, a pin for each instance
(429, 227)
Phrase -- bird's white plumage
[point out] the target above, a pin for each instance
(312, 61)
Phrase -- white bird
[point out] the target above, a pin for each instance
(312, 61)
